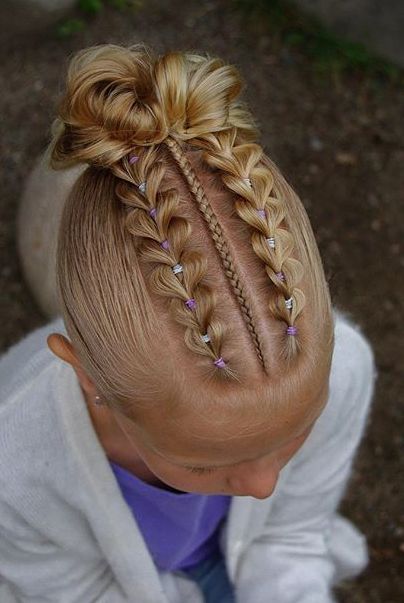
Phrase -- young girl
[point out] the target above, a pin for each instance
(186, 430)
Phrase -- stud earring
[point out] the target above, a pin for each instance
(97, 401)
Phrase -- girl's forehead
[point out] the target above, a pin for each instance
(203, 433)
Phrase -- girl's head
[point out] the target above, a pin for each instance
(189, 278)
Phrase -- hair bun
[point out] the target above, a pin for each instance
(118, 98)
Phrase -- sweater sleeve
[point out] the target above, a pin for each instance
(305, 546)
(35, 570)
(48, 553)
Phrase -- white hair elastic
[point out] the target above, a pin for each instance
(271, 242)
(205, 338)
(142, 187)
(248, 182)
(177, 268)
(289, 303)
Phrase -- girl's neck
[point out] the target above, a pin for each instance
(115, 443)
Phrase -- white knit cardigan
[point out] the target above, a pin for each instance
(67, 535)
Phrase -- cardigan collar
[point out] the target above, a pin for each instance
(105, 508)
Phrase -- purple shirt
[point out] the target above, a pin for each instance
(180, 528)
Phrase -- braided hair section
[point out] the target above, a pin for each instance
(163, 240)
(132, 113)
(259, 205)
(219, 241)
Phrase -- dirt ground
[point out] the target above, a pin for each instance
(339, 143)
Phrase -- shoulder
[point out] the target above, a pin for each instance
(30, 431)
(351, 387)
(22, 362)
(325, 457)
(353, 368)
(351, 344)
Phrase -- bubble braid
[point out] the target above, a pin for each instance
(164, 239)
(260, 205)
(124, 109)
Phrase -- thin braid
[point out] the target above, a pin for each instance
(219, 240)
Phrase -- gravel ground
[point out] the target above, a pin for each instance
(340, 144)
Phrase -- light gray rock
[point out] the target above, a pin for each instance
(38, 221)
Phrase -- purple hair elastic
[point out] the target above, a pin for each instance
(220, 363)
(292, 330)
(153, 213)
(165, 244)
(262, 213)
(280, 276)
(133, 159)
(191, 303)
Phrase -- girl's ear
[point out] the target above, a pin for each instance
(63, 349)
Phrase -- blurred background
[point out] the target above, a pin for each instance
(325, 80)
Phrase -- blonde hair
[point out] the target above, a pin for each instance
(196, 150)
